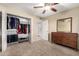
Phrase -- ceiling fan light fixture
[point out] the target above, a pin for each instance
(47, 7)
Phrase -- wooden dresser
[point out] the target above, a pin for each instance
(66, 39)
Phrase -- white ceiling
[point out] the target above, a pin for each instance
(38, 12)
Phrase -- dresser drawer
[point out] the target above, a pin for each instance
(67, 39)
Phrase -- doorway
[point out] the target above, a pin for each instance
(43, 29)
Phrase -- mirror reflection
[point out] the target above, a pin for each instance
(64, 25)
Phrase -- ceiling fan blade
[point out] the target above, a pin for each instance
(54, 4)
(38, 7)
(53, 9)
(44, 12)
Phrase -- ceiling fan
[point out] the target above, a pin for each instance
(45, 5)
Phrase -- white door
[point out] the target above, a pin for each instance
(45, 30)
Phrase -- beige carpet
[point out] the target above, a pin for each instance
(38, 48)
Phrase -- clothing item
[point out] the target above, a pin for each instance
(24, 28)
(17, 22)
(28, 28)
(12, 23)
(7, 22)
(19, 29)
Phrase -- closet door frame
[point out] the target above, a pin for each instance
(0, 31)
(29, 22)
